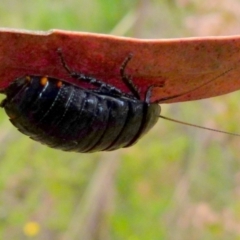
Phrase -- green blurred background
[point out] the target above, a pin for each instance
(178, 182)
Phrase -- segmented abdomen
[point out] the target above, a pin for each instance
(71, 118)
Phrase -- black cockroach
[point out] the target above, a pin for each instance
(68, 117)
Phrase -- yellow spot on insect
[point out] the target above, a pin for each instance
(28, 78)
(59, 84)
(43, 81)
(31, 229)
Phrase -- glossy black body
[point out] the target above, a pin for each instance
(72, 118)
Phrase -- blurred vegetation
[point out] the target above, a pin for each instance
(178, 182)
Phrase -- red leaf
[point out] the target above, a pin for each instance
(176, 66)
